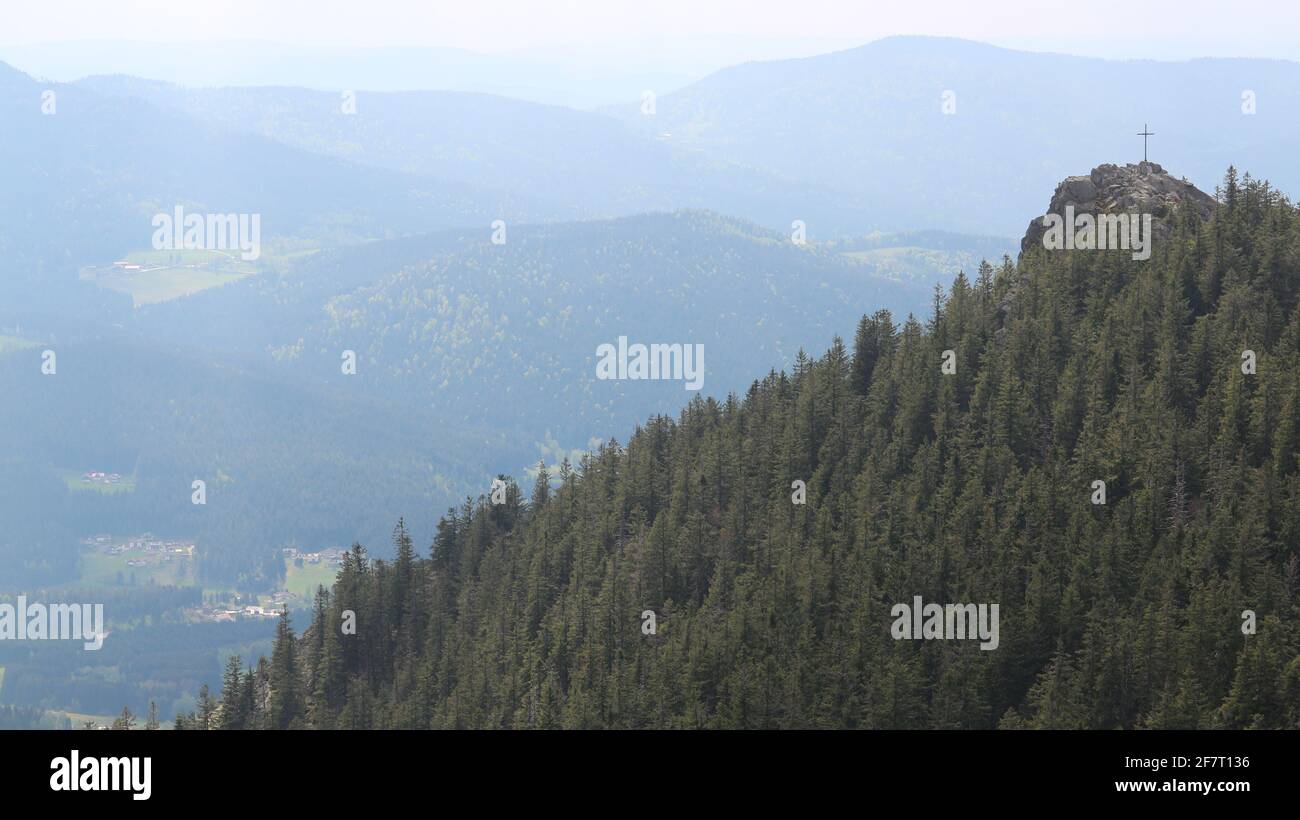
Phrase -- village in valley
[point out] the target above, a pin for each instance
(333, 556)
(232, 609)
(148, 559)
(304, 573)
(165, 550)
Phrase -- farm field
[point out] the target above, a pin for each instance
(160, 276)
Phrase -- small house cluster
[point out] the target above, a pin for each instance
(101, 478)
(330, 555)
(156, 548)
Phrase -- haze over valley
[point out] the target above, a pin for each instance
(423, 264)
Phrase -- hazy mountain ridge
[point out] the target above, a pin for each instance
(589, 164)
(257, 63)
(480, 331)
(484, 352)
(871, 120)
(86, 180)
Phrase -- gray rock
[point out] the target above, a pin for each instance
(1141, 188)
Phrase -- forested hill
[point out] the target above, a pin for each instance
(1071, 367)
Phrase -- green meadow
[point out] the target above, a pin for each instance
(168, 275)
(301, 582)
(9, 344)
(101, 569)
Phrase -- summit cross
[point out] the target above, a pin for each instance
(1144, 133)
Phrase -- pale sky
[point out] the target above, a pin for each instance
(1162, 29)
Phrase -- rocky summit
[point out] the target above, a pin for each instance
(1110, 189)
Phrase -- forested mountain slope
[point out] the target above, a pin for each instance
(1071, 367)
(285, 462)
(483, 355)
(506, 335)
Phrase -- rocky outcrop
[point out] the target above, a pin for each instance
(1144, 188)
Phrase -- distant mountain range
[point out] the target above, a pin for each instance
(904, 133)
(872, 121)
(582, 165)
(83, 182)
(553, 79)
(672, 224)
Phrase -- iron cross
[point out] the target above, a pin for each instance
(1144, 133)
